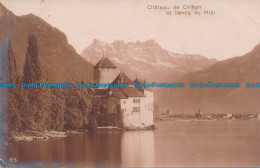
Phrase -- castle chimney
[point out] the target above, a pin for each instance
(110, 92)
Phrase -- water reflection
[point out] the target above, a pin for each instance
(208, 143)
(179, 144)
(138, 149)
(93, 149)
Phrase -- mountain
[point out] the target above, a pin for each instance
(58, 59)
(146, 60)
(240, 70)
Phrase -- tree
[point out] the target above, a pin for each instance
(84, 105)
(42, 104)
(58, 108)
(38, 99)
(14, 119)
(31, 69)
(72, 115)
(12, 69)
(95, 112)
(26, 110)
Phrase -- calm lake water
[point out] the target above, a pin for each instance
(174, 143)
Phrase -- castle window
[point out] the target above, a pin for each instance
(136, 100)
(136, 109)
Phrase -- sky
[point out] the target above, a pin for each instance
(232, 31)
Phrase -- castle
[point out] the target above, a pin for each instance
(134, 104)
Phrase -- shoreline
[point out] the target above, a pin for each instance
(221, 119)
(37, 135)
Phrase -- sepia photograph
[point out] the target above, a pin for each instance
(129, 83)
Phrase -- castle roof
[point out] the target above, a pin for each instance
(125, 92)
(139, 81)
(105, 63)
(122, 78)
(100, 92)
(117, 92)
(132, 92)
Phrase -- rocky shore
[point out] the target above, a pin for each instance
(36, 135)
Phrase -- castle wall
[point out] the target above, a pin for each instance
(111, 105)
(133, 119)
(136, 114)
(147, 115)
(105, 75)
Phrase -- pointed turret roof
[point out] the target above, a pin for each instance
(139, 81)
(105, 63)
(122, 78)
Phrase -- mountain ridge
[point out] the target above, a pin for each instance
(58, 59)
(240, 69)
(147, 58)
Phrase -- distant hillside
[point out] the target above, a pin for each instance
(59, 61)
(218, 100)
(146, 59)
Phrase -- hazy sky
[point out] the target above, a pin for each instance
(234, 29)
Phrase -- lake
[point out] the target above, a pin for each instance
(172, 144)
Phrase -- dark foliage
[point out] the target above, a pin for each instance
(40, 108)
(32, 70)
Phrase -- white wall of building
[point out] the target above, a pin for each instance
(141, 119)
(149, 105)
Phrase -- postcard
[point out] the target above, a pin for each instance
(129, 83)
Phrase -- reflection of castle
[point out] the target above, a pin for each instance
(138, 149)
(136, 104)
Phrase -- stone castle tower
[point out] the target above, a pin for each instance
(105, 71)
